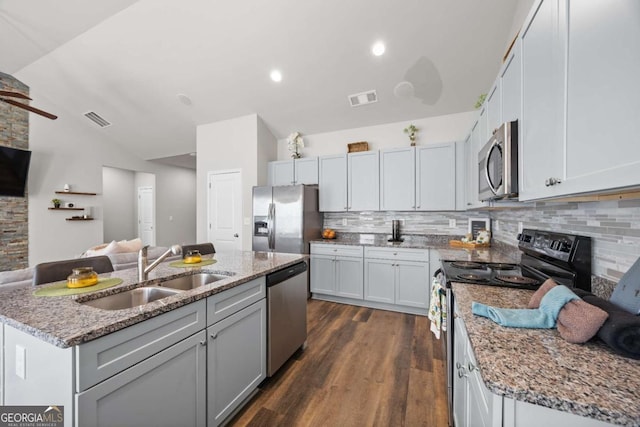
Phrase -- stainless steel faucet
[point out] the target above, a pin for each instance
(143, 262)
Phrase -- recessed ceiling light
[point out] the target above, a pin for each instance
(276, 76)
(378, 48)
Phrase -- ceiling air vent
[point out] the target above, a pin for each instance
(363, 98)
(94, 117)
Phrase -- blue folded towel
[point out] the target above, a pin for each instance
(544, 317)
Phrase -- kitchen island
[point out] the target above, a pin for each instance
(530, 372)
(192, 358)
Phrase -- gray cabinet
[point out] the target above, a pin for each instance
(293, 172)
(397, 179)
(280, 172)
(543, 100)
(305, 171)
(476, 142)
(473, 404)
(332, 186)
(494, 108)
(167, 389)
(236, 360)
(397, 276)
(603, 96)
(436, 177)
(461, 174)
(363, 186)
(511, 81)
(337, 270)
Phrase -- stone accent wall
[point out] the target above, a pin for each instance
(14, 219)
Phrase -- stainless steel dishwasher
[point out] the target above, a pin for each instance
(287, 314)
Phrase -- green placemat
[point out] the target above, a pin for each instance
(60, 288)
(202, 263)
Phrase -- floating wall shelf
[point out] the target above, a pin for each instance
(76, 193)
(66, 209)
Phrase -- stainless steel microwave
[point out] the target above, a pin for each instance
(498, 164)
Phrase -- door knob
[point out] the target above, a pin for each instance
(235, 235)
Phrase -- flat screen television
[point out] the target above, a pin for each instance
(14, 168)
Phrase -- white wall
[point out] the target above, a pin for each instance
(225, 145)
(119, 198)
(73, 150)
(267, 151)
(452, 127)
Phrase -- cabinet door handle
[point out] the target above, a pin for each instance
(461, 373)
(204, 342)
(471, 367)
(214, 335)
(552, 181)
(418, 207)
(459, 365)
(395, 253)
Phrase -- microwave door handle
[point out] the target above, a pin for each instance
(486, 167)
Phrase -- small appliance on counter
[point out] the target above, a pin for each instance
(395, 231)
(626, 294)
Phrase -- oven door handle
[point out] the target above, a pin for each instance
(486, 168)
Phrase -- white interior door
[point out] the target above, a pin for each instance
(146, 216)
(225, 210)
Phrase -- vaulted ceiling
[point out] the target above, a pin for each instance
(129, 60)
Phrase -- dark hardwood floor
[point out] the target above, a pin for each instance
(362, 367)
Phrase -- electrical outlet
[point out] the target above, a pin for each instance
(344, 222)
(520, 227)
(452, 223)
(21, 361)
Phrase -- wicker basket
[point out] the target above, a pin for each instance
(358, 146)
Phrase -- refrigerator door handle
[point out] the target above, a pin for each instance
(271, 226)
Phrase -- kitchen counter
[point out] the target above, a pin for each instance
(63, 322)
(540, 367)
(437, 242)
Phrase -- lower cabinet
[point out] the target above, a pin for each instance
(337, 270)
(167, 389)
(236, 360)
(476, 406)
(397, 276)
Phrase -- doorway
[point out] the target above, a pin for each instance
(224, 214)
(146, 216)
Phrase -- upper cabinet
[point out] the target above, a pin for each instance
(580, 62)
(397, 179)
(363, 186)
(476, 142)
(305, 171)
(511, 84)
(543, 77)
(332, 183)
(436, 177)
(280, 172)
(603, 95)
(292, 172)
(494, 108)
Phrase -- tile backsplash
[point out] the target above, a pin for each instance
(614, 227)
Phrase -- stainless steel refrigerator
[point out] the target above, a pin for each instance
(285, 218)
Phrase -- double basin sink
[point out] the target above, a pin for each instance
(146, 294)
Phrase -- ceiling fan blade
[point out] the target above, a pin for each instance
(30, 108)
(13, 94)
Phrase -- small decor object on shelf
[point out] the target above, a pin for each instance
(411, 130)
(295, 144)
(480, 100)
(56, 203)
(357, 146)
(67, 187)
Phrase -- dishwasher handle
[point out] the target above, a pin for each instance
(286, 273)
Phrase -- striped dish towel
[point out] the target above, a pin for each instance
(438, 308)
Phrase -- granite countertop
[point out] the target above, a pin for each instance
(437, 242)
(540, 367)
(63, 322)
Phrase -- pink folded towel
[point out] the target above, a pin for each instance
(578, 321)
